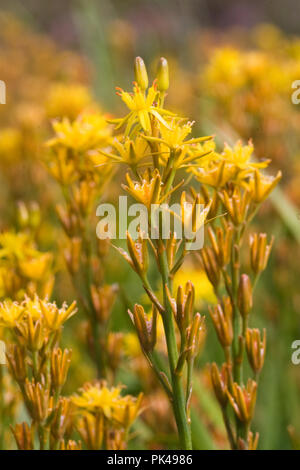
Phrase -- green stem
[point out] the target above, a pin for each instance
(178, 402)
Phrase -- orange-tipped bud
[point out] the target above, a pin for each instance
(91, 430)
(259, 251)
(243, 399)
(210, 266)
(146, 329)
(221, 244)
(221, 316)
(220, 381)
(24, 436)
(103, 299)
(245, 301)
(73, 254)
(256, 348)
(195, 336)
(236, 204)
(262, 185)
(16, 362)
(60, 363)
(38, 401)
(61, 418)
(183, 306)
(139, 254)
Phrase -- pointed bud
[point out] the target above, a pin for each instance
(243, 399)
(24, 436)
(220, 382)
(221, 316)
(245, 295)
(162, 75)
(259, 251)
(146, 329)
(195, 336)
(140, 72)
(60, 363)
(256, 348)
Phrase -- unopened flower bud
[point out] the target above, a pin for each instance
(163, 75)
(140, 73)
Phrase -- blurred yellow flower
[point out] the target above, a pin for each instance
(67, 100)
(87, 132)
(10, 313)
(203, 288)
(98, 397)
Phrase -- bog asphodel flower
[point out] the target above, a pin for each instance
(147, 191)
(21, 264)
(34, 310)
(261, 185)
(67, 100)
(240, 156)
(88, 132)
(142, 108)
(10, 313)
(98, 397)
(130, 152)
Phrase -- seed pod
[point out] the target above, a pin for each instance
(146, 329)
(221, 316)
(259, 251)
(24, 436)
(220, 382)
(256, 348)
(245, 301)
(60, 363)
(16, 362)
(243, 399)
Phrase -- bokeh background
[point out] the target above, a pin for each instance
(232, 65)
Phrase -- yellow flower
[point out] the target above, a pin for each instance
(53, 316)
(233, 164)
(87, 132)
(10, 313)
(130, 152)
(10, 143)
(225, 67)
(63, 168)
(147, 191)
(37, 309)
(261, 185)
(215, 174)
(35, 268)
(67, 100)
(98, 397)
(18, 252)
(126, 410)
(240, 157)
(142, 108)
(15, 245)
(175, 134)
